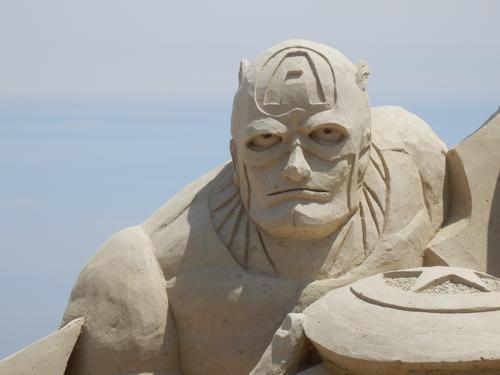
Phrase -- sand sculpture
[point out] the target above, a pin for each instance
(266, 265)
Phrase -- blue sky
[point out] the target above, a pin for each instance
(107, 108)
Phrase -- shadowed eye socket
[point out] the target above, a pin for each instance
(327, 135)
(264, 141)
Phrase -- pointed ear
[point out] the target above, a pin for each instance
(363, 71)
(234, 157)
(244, 65)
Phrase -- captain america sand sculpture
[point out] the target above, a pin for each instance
(322, 192)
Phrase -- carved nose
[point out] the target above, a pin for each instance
(297, 169)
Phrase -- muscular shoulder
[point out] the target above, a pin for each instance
(121, 293)
(128, 252)
(395, 130)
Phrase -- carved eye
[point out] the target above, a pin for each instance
(327, 135)
(264, 141)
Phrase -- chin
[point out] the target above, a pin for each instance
(302, 222)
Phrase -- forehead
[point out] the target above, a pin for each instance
(295, 79)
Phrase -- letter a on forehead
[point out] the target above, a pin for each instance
(295, 78)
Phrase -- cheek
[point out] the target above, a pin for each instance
(332, 174)
(268, 176)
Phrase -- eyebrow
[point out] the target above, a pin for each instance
(263, 126)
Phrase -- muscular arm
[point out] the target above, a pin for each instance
(121, 293)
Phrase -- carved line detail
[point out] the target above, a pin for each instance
(168, 222)
(264, 248)
(236, 226)
(375, 197)
(225, 202)
(386, 179)
(248, 186)
(363, 224)
(247, 243)
(372, 211)
(377, 167)
(227, 215)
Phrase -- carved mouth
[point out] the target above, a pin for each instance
(298, 189)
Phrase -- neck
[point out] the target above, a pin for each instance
(311, 259)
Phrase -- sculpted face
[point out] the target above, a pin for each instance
(300, 129)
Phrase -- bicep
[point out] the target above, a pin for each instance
(122, 295)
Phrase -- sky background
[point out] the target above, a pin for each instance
(109, 107)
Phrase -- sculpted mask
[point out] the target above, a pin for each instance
(301, 139)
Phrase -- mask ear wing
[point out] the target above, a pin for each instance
(363, 71)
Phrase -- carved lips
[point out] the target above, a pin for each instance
(302, 193)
